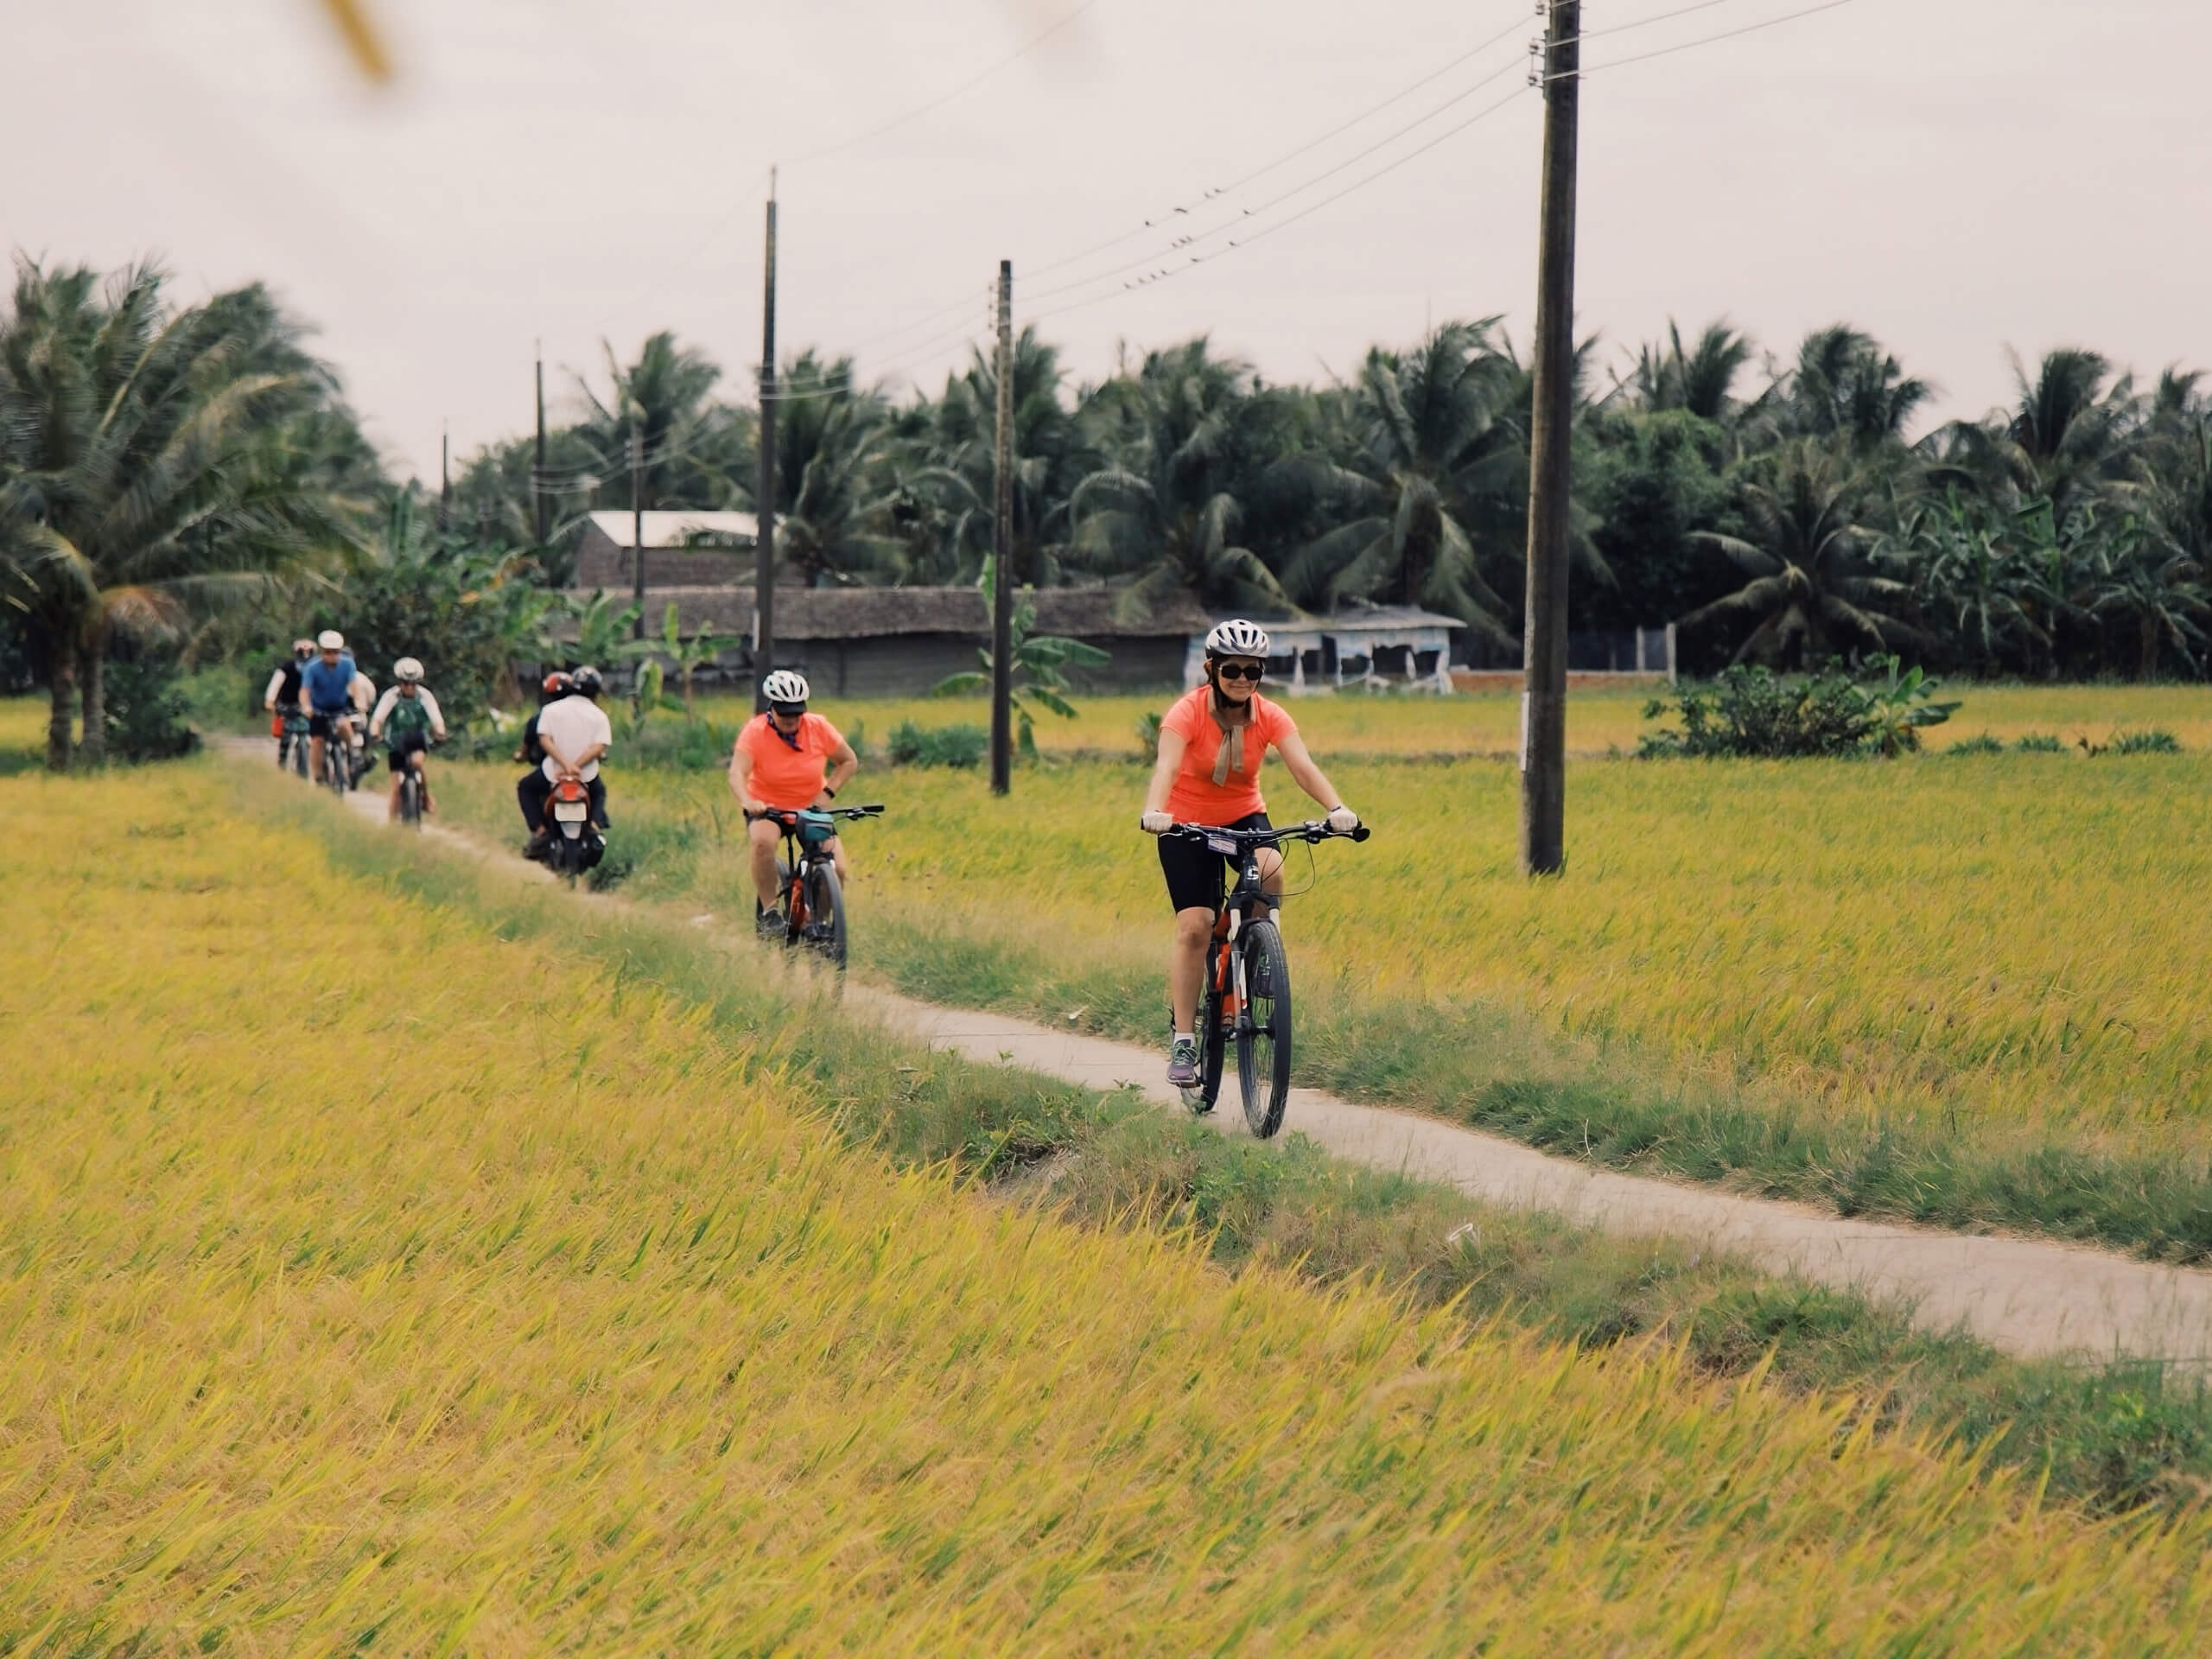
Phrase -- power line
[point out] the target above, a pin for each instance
(1282, 224)
(1708, 40)
(940, 101)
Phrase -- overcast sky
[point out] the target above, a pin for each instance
(1955, 176)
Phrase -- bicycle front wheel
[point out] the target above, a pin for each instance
(299, 757)
(1263, 1028)
(825, 914)
(411, 799)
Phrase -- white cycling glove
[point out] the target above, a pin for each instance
(1343, 819)
(1155, 823)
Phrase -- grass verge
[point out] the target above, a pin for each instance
(2113, 1437)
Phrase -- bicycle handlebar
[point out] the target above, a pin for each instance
(1313, 830)
(786, 814)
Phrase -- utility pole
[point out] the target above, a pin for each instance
(637, 524)
(1002, 551)
(764, 500)
(539, 497)
(445, 478)
(1543, 696)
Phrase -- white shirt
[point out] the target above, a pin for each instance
(391, 696)
(573, 725)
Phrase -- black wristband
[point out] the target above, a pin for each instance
(830, 792)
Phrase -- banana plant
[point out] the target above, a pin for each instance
(687, 654)
(1037, 659)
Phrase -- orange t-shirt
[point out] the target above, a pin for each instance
(1195, 798)
(784, 777)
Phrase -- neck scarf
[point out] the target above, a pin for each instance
(790, 739)
(1232, 751)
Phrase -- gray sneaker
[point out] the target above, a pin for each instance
(1183, 1062)
(771, 924)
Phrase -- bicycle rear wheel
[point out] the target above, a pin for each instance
(1263, 1028)
(825, 914)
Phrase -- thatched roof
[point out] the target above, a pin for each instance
(875, 612)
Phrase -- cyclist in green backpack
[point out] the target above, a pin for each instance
(407, 718)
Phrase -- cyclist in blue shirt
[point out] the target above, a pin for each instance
(326, 686)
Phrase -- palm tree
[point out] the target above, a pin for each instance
(1438, 469)
(1846, 386)
(830, 440)
(140, 469)
(948, 468)
(1701, 380)
(1813, 587)
(2067, 437)
(1165, 511)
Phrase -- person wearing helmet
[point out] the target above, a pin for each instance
(362, 694)
(326, 686)
(786, 760)
(575, 733)
(1211, 743)
(408, 720)
(529, 788)
(282, 698)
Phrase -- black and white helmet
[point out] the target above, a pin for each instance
(785, 685)
(1236, 638)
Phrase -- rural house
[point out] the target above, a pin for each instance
(682, 549)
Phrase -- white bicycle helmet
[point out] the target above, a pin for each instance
(407, 671)
(785, 685)
(1236, 638)
(330, 639)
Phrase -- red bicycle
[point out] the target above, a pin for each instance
(1246, 998)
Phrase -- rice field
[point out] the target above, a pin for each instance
(553, 1321)
(1356, 724)
(2002, 948)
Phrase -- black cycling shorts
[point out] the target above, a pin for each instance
(1196, 879)
(319, 722)
(404, 744)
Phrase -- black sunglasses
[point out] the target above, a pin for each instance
(1238, 672)
(787, 709)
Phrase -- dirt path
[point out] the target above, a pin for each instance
(2029, 1297)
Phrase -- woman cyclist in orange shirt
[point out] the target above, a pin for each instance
(785, 760)
(1211, 743)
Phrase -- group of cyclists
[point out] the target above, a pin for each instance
(321, 681)
(786, 759)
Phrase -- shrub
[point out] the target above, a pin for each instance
(937, 745)
(1753, 712)
(1147, 730)
(1981, 743)
(148, 716)
(2149, 742)
(2040, 743)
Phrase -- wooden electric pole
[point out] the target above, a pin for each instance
(637, 524)
(539, 497)
(764, 500)
(1002, 551)
(1543, 696)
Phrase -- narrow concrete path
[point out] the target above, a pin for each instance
(2029, 1297)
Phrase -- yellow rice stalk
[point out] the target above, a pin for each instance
(543, 1323)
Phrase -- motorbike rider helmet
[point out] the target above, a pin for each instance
(587, 683)
(330, 639)
(555, 684)
(784, 689)
(1236, 638)
(407, 671)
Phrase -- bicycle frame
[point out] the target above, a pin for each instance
(799, 858)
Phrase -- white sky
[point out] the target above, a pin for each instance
(1954, 175)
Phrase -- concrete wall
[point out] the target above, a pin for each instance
(913, 665)
(601, 563)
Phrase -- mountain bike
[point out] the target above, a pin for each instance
(337, 762)
(292, 740)
(813, 900)
(410, 796)
(1245, 998)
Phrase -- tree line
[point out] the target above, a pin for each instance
(190, 476)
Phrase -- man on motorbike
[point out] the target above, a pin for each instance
(410, 714)
(326, 686)
(529, 788)
(575, 733)
(282, 699)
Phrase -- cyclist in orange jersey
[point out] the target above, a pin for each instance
(1211, 743)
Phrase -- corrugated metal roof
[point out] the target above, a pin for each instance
(680, 528)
